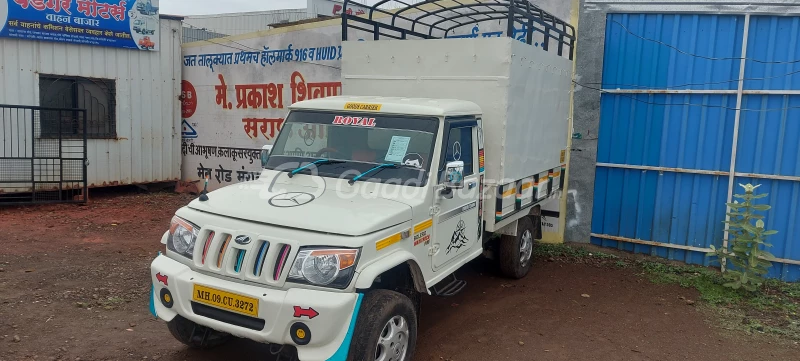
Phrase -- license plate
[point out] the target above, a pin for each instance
(226, 300)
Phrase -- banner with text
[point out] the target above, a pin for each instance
(131, 24)
(236, 94)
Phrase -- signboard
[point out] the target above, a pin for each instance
(235, 98)
(131, 24)
(333, 8)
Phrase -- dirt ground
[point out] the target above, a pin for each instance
(74, 285)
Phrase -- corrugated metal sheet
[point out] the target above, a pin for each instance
(770, 7)
(679, 207)
(191, 34)
(147, 148)
(773, 39)
(243, 23)
(631, 62)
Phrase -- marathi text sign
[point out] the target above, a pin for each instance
(131, 24)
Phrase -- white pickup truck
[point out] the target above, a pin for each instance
(367, 202)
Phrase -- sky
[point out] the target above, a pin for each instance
(203, 7)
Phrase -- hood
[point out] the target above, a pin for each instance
(304, 207)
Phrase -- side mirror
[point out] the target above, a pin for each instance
(265, 155)
(454, 175)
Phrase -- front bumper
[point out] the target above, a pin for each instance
(330, 330)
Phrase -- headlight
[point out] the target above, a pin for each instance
(182, 237)
(324, 267)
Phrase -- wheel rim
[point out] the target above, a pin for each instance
(525, 248)
(393, 340)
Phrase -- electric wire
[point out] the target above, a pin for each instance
(684, 104)
(701, 56)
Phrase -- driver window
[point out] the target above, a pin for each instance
(459, 147)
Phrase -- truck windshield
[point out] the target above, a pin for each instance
(357, 142)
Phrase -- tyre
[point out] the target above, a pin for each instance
(194, 335)
(516, 252)
(386, 328)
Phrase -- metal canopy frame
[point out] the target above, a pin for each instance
(437, 21)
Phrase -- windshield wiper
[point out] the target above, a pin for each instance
(317, 162)
(377, 168)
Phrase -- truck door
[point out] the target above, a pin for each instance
(456, 226)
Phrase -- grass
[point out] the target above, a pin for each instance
(773, 309)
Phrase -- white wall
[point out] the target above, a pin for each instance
(147, 147)
(215, 135)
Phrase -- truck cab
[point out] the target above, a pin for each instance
(365, 203)
(353, 189)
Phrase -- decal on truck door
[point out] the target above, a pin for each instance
(450, 214)
(422, 233)
(459, 238)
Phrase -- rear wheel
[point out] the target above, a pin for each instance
(516, 252)
(386, 328)
(194, 335)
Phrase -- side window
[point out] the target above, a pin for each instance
(459, 147)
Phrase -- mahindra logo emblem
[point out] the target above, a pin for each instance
(291, 199)
(243, 240)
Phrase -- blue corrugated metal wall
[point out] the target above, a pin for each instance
(683, 207)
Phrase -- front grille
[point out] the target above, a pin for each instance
(259, 261)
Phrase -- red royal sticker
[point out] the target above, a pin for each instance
(162, 278)
(308, 312)
(355, 121)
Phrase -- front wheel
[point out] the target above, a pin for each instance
(386, 328)
(516, 252)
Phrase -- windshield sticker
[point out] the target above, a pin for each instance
(414, 160)
(397, 149)
(363, 106)
(356, 121)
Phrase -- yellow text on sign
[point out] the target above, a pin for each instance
(225, 300)
(363, 106)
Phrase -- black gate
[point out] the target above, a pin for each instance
(42, 155)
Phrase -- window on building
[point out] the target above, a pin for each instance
(96, 96)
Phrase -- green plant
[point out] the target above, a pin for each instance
(744, 251)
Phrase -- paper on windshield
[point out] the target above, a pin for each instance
(397, 149)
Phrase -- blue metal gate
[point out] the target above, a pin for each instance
(692, 106)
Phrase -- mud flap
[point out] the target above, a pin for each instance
(153, 301)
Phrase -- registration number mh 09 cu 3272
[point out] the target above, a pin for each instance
(225, 300)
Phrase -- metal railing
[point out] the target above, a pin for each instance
(430, 19)
(42, 159)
